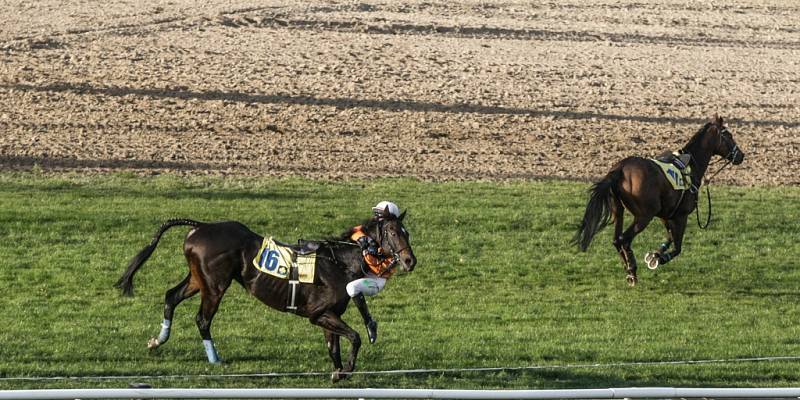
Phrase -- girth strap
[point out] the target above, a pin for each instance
(294, 280)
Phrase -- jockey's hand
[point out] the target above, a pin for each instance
(368, 246)
(371, 251)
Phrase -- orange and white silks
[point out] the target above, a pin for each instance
(377, 266)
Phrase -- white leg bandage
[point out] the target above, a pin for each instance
(367, 286)
(164, 334)
(211, 351)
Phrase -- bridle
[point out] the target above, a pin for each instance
(725, 134)
(732, 154)
(395, 253)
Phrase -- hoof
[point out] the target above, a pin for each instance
(338, 375)
(632, 279)
(653, 260)
(153, 343)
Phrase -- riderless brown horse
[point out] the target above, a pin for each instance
(640, 186)
(219, 253)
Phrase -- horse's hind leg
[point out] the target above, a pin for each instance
(638, 225)
(332, 323)
(209, 304)
(173, 297)
(618, 213)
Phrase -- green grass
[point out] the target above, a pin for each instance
(497, 285)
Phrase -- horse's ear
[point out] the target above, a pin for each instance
(716, 120)
(386, 213)
(402, 215)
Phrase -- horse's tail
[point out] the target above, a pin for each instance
(598, 211)
(126, 281)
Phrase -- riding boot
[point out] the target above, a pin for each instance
(371, 324)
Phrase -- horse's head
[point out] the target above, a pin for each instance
(395, 239)
(726, 147)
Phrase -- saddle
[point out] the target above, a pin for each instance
(676, 169)
(303, 247)
(292, 262)
(679, 160)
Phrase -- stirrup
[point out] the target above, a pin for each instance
(372, 330)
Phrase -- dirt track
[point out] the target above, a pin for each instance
(431, 89)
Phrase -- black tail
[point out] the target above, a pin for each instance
(598, 211)
(126, 281)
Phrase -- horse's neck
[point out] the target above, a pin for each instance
(700, 157)
(348, 257)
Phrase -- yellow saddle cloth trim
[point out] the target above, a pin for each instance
(677, 178)
(275, 260)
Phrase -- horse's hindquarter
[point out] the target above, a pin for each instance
(645, 181)
(637, 183)
(214, 251)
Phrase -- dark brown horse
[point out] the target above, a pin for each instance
(640, 186)
(219, 253)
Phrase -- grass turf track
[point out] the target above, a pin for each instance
(497, 285)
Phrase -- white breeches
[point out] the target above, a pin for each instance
(369, 286)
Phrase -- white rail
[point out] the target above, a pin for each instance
(611, 393)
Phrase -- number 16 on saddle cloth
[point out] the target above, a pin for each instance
(276, 260)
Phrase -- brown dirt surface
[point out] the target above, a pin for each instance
(475, 89)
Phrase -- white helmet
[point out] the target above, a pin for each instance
(393, 208)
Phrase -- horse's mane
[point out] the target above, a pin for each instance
(696, 137)
(344, 237)
(366, 225)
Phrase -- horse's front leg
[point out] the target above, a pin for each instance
(677, 227)
(654, 259)
(333, 323)
(334, 351)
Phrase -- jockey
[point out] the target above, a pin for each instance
(379, 268)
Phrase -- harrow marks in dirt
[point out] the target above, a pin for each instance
(434, 89)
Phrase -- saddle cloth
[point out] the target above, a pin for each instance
(276, 259)
(680, 179)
